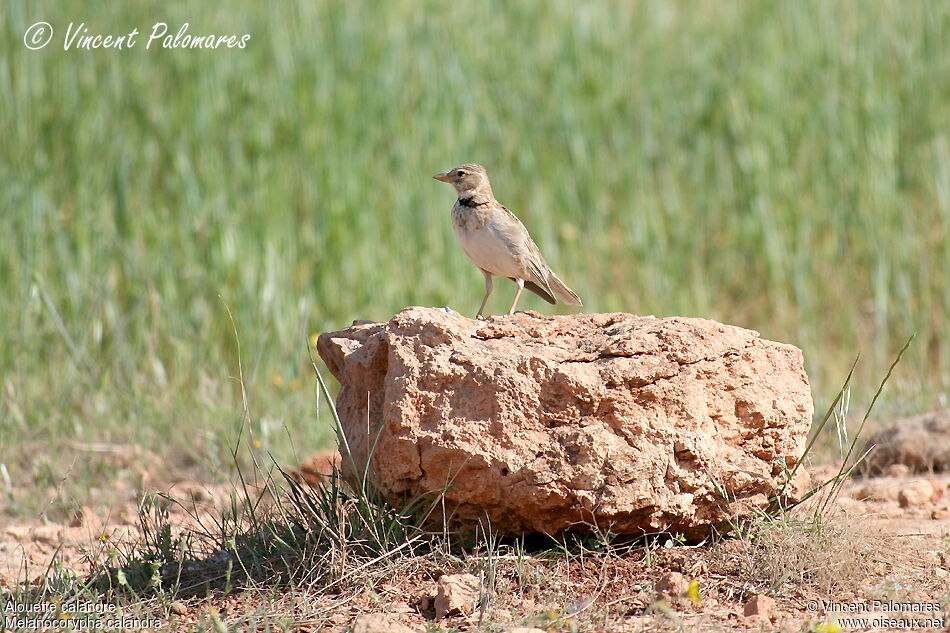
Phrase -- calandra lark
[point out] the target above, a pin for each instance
(497, 242)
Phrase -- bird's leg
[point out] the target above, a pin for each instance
(487, 292)
(520, 283)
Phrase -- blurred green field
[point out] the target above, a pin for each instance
(783, 166)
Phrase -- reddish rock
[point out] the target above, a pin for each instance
(178, 608)
(86, 518)
(317, 468)
(916, 494)
(921, 443)
(456, 594)
(760, 606)
(896, 470)
(939, 488)
(549, 423)
(877, 490)
(671, 584)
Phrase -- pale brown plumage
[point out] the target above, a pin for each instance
(497, 242)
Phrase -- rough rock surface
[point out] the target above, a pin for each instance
(916, 494)
(671, 584)
(456, 594)
(635, 424)
(760, 606)
(922, 443)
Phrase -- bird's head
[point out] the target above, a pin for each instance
(470, 180)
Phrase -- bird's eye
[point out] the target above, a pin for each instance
(460, 173)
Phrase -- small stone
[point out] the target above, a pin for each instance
(378, 623)
(318, 468)
(939, 489)
(759, 606)
(178, 608)
(526, 629)
(456, 594)
(897, 470)
(941, 514)
(922, 443)
(503, 615)
(86, 518)
(876, 491)
(671, 584)
(915, 494)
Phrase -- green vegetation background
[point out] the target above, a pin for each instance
(783, 166)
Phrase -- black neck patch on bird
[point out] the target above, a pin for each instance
(470, 202)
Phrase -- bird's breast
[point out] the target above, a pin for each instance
(485, 243)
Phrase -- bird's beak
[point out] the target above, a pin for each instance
(443, 177)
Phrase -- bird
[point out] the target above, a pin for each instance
(496, 241)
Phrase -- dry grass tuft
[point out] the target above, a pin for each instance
(824, 553)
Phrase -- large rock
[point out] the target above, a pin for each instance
(541, 424)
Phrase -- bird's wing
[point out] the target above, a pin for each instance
(537, 268)
(540, 280)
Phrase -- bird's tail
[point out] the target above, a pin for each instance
(560, 289)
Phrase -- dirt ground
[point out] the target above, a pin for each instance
(884, 549)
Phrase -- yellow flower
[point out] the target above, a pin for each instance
(277, 380)
(831, 626)
(693, 593)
